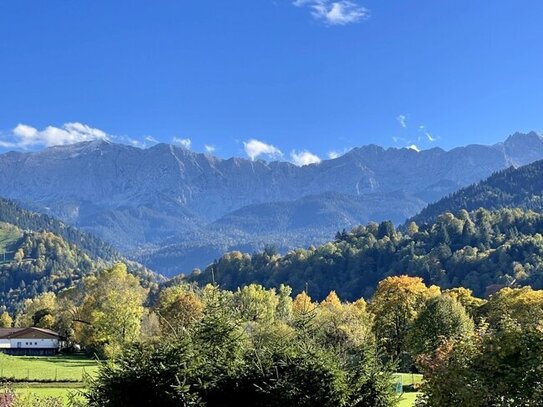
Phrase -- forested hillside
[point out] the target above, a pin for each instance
(35, 262)
(32, 263)
(511, 188)
(13, 214)
(41, 254)
(481, 250)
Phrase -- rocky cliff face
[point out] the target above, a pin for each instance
(143, 199)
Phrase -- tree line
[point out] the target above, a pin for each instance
(510, 188)
(206, 346)
(481, 250)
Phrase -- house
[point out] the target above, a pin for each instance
(31, 341)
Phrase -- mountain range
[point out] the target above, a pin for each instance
(174, 209)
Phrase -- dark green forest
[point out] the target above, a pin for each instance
(482, 250)
(511, 188)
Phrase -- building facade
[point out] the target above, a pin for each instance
(31, 341)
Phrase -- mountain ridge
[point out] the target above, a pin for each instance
(140, 200)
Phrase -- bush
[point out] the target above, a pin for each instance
(502, 368)
(219, 364)
(8, 398)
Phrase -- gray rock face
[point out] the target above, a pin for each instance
(144, 199)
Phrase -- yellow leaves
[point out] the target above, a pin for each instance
(524, 306)
(396, 304)
(410, 291)
(465, 297)
(256, 303)
(47, 322)
(5, 320)
(45, 301)
(332, 301)
(179, 308)
(302, 304)
(412, 229)
(113, 309)
(361, 305)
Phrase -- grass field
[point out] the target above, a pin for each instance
(62, 391)
(66, 373)
(9, 234)
(56, 368)
(408, 399)
(408, 380)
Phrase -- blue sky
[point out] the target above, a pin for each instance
(253, 77)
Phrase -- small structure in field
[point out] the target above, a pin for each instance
(31, 341)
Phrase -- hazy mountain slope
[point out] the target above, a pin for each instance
(143, 199)
(329, 212)
(514, 187)
(311, 220)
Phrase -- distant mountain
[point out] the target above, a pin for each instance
(309, 220)
(329, 211)
(176, 209)
(511, 188)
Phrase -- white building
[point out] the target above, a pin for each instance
(29, 341)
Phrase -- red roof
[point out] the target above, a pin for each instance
(8, 333)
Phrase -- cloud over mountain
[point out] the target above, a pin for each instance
(256, 148)
(24, 136)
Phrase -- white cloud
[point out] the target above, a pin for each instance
(431, 139)
(151, 139)
(428, 135)
(339, 12)
(183, 142)
(304, 158)
(255, 148)
(402, 119)
(332, 155)
(413, 147)
(24, 136)
(135, 143)
(209, 148)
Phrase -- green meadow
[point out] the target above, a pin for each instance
(39, 369)
(56, 376)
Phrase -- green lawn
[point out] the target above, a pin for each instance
(54, 368)
(408, 399)
(9, 234)
(42, 391)
(408, 379)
